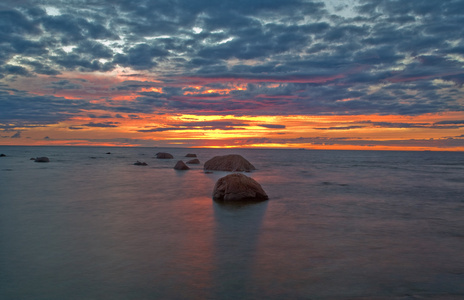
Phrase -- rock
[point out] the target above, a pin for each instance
(231, 163)
(164, 155)
(108, 152)
(180, 165)
(139, 163)
(32, 158)
(42, 159)
(194, 162)
(191, 155)
(238, 187)
(2, 155)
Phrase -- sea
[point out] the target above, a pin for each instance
(338, 225)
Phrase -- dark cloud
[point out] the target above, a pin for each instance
(340, 127)
(272, 126)
(453, 122)
(17, 135)
(93, 116)
(141, 57)
(101, 125)
(64, 85)
(200, 125)
(19, 109)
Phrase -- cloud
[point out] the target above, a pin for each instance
(102, 125)
(272, 126)
(199, 125)
(340, 127)
(19, 109)
(17, 135)
(141, 57)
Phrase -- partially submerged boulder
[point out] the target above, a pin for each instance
(42, 159)
(194, 162)
(164, 155)
(180, 165)
(231, 163)
(2, 155)
(139, 163)
(191, 155)
(238, 187)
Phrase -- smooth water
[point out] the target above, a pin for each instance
(338, 225)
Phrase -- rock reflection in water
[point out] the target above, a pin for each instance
(236, 237)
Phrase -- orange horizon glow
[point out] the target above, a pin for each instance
(204, 127)
(358, 132)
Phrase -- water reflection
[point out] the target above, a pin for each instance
(236, 235)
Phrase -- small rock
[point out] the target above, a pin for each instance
(180, 165)
(164, 155)
(108, 152)
(139, 163)
(2, 155)
(191, 155)
(194, 162)
(42, 159)
(238, 187)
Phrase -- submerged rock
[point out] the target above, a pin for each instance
(180, 165)
(191, 155)
(231, 163)
(2, 155)
(139, 163)
(238, 187)
(194, 162)
(42, 159)
(164, 155)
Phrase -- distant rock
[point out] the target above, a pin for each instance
(180, 165)
(231, 163)
(164, 155)
(191, 155)
(194, 162)
(2, 155)
(32, 158)
(238, 187)
(139, 163)
(42, 159)
(108, 152)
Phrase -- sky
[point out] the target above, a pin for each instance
(333, 74)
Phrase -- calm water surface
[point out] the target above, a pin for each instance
(338, 225)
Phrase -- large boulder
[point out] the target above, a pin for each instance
(194, 161)
(180, 165)
(231, 163)
(42, 159)
(164, 155)
(238, 187)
